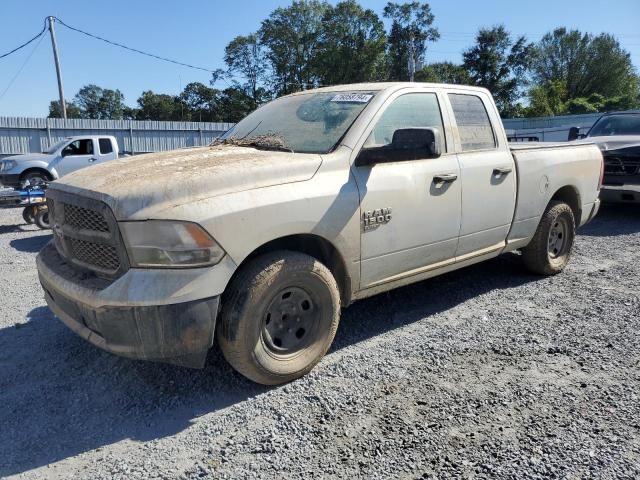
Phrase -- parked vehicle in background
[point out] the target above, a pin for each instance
(313, 201)
(618, 136)
(62, 158)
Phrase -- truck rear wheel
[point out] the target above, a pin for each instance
(279, 317)
(550, 249)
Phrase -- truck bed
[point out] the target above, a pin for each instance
(543, 169)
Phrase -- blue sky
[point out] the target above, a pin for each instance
(196, 32)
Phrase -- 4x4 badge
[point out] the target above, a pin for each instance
(374, 218)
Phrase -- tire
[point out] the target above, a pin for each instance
(28, 214)
(550, 248)
(35, 178)
(279, 317)
(42, 218)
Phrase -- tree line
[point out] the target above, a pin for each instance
(311, 43)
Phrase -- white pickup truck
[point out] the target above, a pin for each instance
(66, 156)
(313, 201)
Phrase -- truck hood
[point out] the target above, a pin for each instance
(30, 157)
(161, 180)
(613, 142)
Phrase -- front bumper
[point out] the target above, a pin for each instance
(10, 180)
(620, 193)
(179, 333)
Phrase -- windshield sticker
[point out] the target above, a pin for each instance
(352, 98)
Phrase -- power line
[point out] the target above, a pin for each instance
(24, 64)
(157, 57)
(44, 28)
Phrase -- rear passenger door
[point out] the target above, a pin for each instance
(488, 174)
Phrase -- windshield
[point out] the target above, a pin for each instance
(307, 123)
(56, 146)
(623, 124)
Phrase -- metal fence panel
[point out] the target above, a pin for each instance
(548, 129)
(24, 135)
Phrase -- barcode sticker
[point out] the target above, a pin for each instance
(352, 98)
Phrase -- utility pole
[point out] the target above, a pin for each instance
(63, 105)
(412, 58)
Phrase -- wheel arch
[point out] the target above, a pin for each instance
(571, 196)
(29, 170)
(315, 246)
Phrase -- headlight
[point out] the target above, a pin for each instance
(169, 243)
(7, 165)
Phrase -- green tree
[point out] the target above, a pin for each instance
(291, 35)
(351, 45)
(500, 64)
(55, 111)
(198, 102)
(246, 57)
(587, 64)
(99, 103)
(233, 104)
(547, 100)
(444, 72)
(411, 29)
(159, 106)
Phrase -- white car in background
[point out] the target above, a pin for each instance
(66, 156)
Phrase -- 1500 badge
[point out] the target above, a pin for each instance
(374, 218)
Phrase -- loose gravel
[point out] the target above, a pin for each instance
(488, 372)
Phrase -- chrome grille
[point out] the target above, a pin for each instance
(84, 218)
(86, 234)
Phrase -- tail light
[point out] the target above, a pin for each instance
(601, 172)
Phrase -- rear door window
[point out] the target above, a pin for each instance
(474, 126)
(105, 146)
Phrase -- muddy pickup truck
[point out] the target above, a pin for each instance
(312, 202)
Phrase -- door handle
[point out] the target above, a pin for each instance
(445, 177)
(92, 159)
(502, 170)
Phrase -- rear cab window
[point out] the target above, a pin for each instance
(105, 146)
(474, 127)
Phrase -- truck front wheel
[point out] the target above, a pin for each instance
(35, 177)
(550, 249)
(279, 317)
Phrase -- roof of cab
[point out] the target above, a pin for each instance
(386, 86)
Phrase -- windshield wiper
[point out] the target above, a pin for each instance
(260, 142)
(266, 146)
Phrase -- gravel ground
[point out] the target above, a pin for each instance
(488, 372)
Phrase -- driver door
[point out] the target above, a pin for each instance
(417, 213)
(78, 154)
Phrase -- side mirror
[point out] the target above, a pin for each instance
(406, 144)
(574, 133)
(66, 151)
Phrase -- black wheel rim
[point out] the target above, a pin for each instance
(558, 240)
(290, 322)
